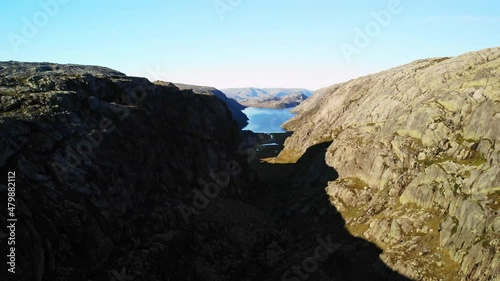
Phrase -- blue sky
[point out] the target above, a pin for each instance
(240, 43)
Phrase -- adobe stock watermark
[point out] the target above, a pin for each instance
(203, 197)
(222, 7)
(32, 25)
(311, 264)
(81, 153)
(157, 74)
(363, 37)
(210, 190)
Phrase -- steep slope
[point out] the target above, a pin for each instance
(120, 179)
(232, 104)
(417, 149)
(110, 172)
(269, 97)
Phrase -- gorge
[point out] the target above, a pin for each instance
(391, 176)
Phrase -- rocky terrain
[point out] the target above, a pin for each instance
(121, 179)
(268, 98)
(417, 149)
(232, 104)
(392, 176)
(107, 168)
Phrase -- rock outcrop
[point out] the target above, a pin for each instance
(417, 149)
(110, 172)
(235, 107)
(121, 179)
(268, 98)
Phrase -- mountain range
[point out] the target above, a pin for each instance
(268, 97)
(390, 176)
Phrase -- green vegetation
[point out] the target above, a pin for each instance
(354, 183)
(476, 159)
(494, 200)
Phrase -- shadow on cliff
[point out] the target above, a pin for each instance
(318, 247)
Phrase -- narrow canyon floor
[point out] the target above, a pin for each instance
(294, 231)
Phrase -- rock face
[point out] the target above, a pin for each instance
(232, 104)
(109, 172)
(417, 149)
(121, 179)
(268, 98)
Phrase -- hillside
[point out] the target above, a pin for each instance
(232, 104)
(417, 149)
(106, 169)
(120, 179)
(391, 176)
(269, 97)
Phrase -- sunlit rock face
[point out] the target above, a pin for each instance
(417, 149)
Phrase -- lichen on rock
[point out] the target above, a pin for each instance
(424, 137)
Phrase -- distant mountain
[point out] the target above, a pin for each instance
(268, 97)
(232, 104)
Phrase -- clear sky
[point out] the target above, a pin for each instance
(240, 43)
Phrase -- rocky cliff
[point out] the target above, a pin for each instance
(121, 179)
(232, 104)
(417, 149)
(118, 178)
(269, 97)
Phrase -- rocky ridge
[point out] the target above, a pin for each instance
(121, 179)
(107, 170)
(268, 98)
(232, 104)
(417, 149)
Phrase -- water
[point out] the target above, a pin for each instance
(265, 120)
